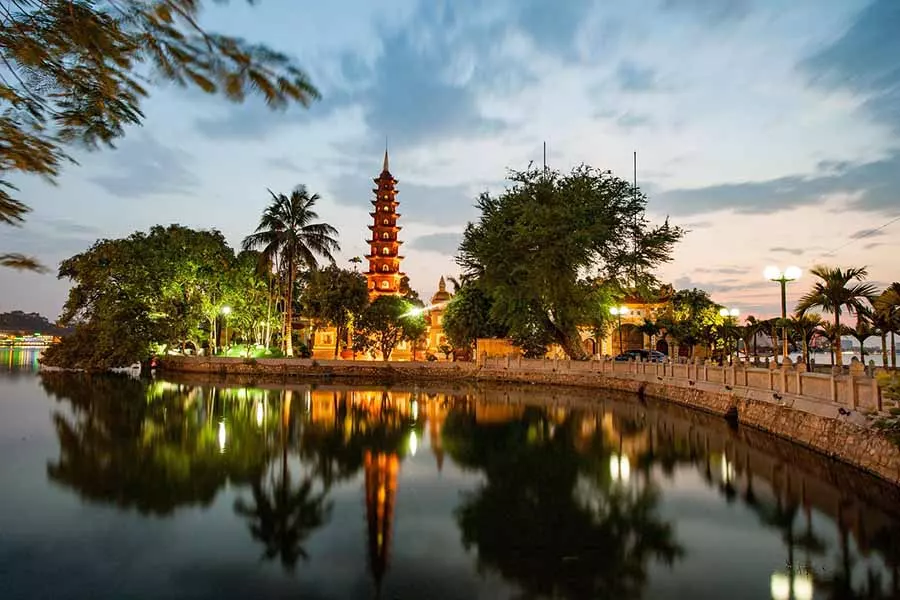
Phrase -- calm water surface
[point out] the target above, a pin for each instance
(119, 488)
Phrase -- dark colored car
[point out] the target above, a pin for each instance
(643, 355)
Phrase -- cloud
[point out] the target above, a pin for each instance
(283, 163)
(434, 204)
(712, 11)
(874, 185)
(252, 120)
(723, 270)
(864, 61)
(142, 166)
(717, 287)
(445, 243)
(873, 245)
(784, 250)
(419, 92)
(552, 25)
(864, 233)
(630, 120)
(698, 225)
(635, 78)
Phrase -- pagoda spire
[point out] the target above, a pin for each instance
(384, 274)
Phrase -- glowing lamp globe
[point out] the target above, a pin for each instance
(772, 272)
(792, 273)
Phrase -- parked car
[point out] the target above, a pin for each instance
(644, 355)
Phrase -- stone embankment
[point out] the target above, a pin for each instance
(823, 412)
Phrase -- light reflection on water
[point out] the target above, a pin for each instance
(156, 489)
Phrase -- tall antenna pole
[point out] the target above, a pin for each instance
(545, 156)
(634, 231)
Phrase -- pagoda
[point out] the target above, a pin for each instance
(384, 273)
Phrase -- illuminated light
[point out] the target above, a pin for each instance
(259, 414)
(727, 470)
(226, 310)
(803, 586)
(415, 410)
(780, 586)
(619, 467)
(792, 273)
(413, 443)
(222, 436)
(772, 273)
(618, 310)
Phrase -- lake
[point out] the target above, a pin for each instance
(115, 487)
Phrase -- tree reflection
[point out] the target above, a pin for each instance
(551, 518)
(152, 454)
(283, 515)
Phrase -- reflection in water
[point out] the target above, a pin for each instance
(19, 361)
(567, 502)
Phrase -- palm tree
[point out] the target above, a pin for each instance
(863, 331)
(806, 325)
(833, 333)
(287, 231)
(836, 293)
(749, 332)
(887, 311)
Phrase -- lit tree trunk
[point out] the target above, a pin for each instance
(288, 311)
(268, 333)
(893, 351)
(212, 336)
(884, 361)
(836, 344)
(568, 338)
(338, 336)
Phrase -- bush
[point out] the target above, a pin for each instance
(430, 357)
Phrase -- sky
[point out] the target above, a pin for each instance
(770, 129)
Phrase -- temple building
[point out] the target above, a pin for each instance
(384, 276)
(384, 273)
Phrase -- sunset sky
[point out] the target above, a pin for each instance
(769, 129)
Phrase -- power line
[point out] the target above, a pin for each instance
(863, 236)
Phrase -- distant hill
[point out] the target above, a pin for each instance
(22, 322)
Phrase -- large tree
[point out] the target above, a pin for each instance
(288, 235)
(336, 296)
(468, 317)
(542, 247)
(693, 318)
(75, 72)
(838, 290)
(130, 294)
(385, 323)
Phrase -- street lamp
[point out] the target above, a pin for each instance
(728, 313)
(618, 311)
(790, 274)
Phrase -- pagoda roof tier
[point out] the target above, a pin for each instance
(398, 242)
(388, 227)
(377, 214)
(380, 191)
(383, 201)
(389, 177)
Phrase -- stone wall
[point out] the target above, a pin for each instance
(763, 400)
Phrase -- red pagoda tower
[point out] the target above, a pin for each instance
(384, 273)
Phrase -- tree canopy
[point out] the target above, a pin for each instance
(386, 322)
(337, 297)
(553, 249)
(77, 71)
(144, 290)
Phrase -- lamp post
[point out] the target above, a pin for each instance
(618, 311)
(728, 314)
(773, 273)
